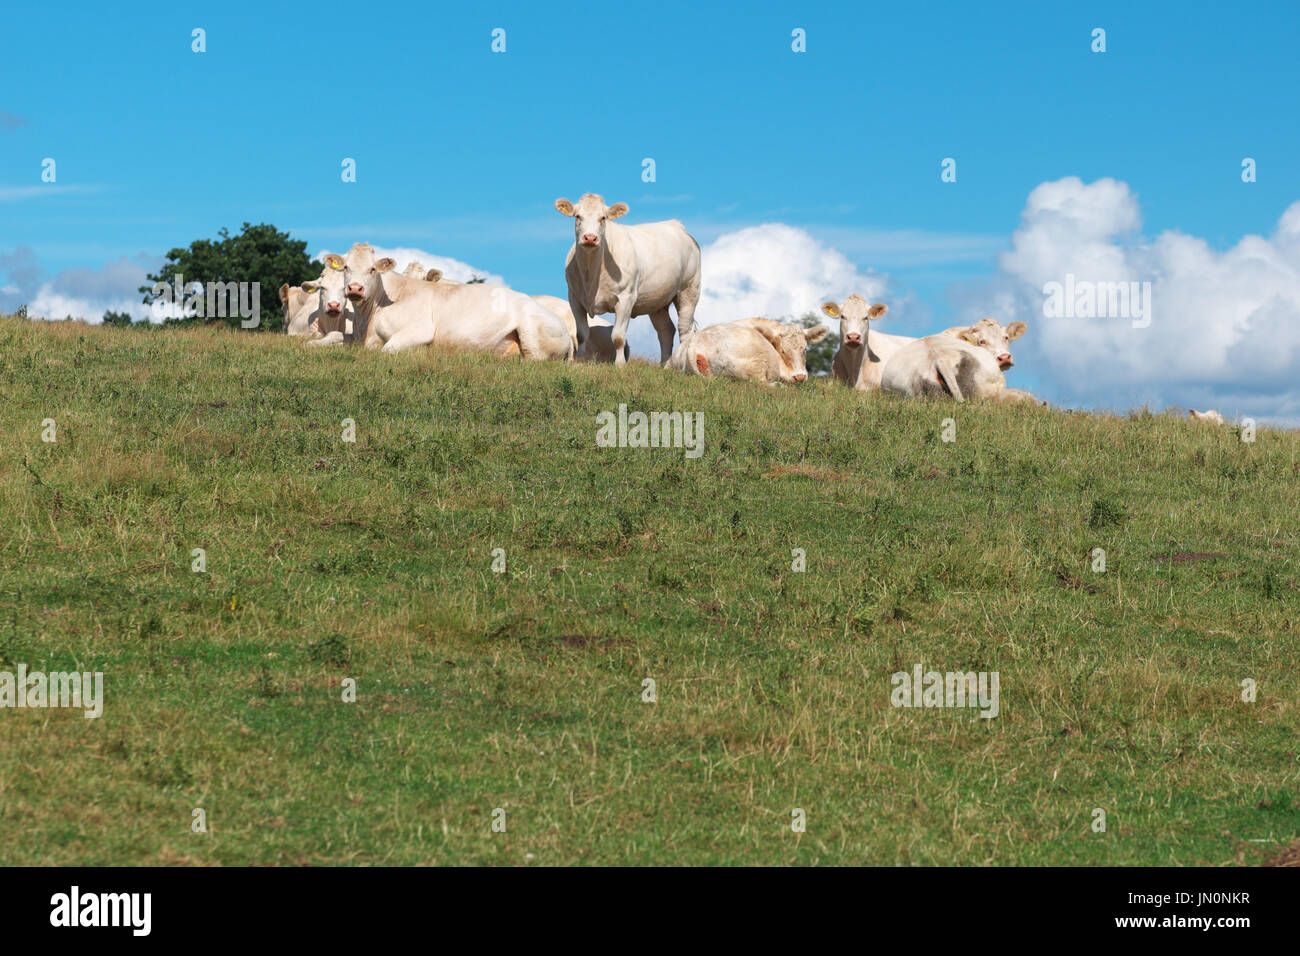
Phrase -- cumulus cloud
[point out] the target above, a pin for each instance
(81, 292)
(1224, 326)
(771, 270)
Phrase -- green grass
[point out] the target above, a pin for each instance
(522, 691)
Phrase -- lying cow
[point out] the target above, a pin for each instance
(396, 312)
(300, 309)
(630, 270)
(335, 314)
(754, 350)
(1212, 417)
(862, 354)
(965, 365)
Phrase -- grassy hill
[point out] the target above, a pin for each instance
(372, 560)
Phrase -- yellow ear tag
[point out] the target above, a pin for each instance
(335, 264)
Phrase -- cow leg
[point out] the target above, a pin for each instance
(685, 303)
(663, 324)
(409, 338)
(580, 322)
(331, 338)
(622, 316)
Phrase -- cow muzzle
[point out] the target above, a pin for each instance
(333, 308)
(355, 291)
(853, 340)
(591, 240)
(1004, 361)
(800, 376)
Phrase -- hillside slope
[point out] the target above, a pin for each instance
(523, 691)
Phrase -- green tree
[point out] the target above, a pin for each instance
(260, 254)
(119, 319)
(820, 354)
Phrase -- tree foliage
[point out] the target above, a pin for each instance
(261, 254)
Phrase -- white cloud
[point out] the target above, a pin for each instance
(83, 293)
(777, 271)
(1225, 326)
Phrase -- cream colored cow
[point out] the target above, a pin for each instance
(396, 312)
(862, 354)
(963, 362)
(299, 309)
(754, 350)
(1211, 417)
(630, 270)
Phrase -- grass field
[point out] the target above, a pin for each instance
(372, 560)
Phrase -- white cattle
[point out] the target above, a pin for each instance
(964, 365)
(862, 354)
(300, 309)
(1212, 417)
(415, 270)
(335, 314)
(600, 346)
(630, 270)
(396, 312)
(754, 350)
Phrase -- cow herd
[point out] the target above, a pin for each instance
(631, 270)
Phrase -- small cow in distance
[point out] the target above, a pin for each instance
(630, 270)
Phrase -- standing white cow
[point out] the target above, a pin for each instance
(630, 270)
(397, 312)
(754, 350)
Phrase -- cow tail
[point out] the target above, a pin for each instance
(946, 368)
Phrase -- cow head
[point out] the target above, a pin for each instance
(854, 315)
(589, 218)
(989, 334)
(364, 284)
(330, 286)
(296, 318)
(791, 343)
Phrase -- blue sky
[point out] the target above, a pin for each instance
(461, 152)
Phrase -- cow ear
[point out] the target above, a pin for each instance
(616, 210)
(333, 261)
(433, 275)
(385, 264)
(1015, 330)
(311, 286)
(831, 309)
(877, 310)
(816, 333)
(970, 336)
(284, 292)
(564, 206)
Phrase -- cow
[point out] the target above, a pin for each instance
(967, 364)
(415, 270)
(335, 314)
(862, 354)
(300, 308)
(630, 270)
(396, 312)
(600, 347)
(1211, 417)
(754, 350)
